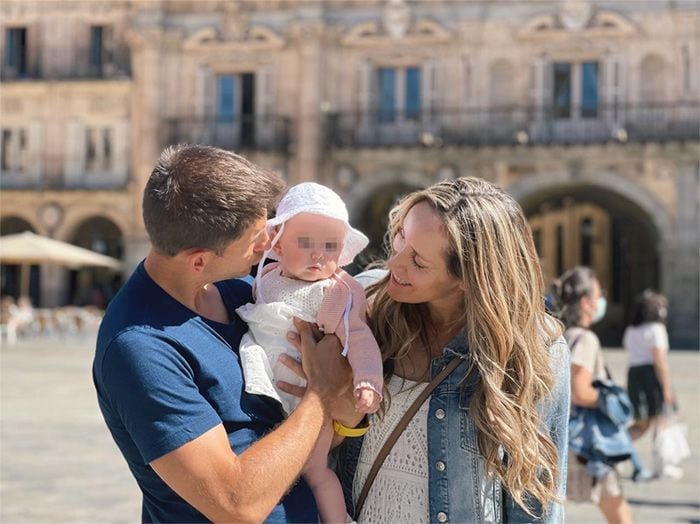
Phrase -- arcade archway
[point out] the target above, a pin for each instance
(592, 226)
(373, 218)
(96, 286)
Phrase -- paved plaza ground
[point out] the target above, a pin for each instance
(59, 464)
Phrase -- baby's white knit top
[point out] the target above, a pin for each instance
(400, 490)
(302, 295)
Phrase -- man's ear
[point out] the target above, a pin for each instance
(197, 258)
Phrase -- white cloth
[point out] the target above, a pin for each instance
(640, 341)
(268, 326)
(400, 490)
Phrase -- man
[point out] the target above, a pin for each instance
(166, 369)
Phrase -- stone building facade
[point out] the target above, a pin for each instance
(586, 111)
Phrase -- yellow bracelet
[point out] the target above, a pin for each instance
(345, 431)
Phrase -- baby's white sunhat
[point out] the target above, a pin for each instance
(309, 197)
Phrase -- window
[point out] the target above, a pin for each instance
(589, 89)
(98, 150)
(96, 49)
(235, 109)
(576, 90)
(399, 94)
(14, 150)
(226, 96)
(562, 90)
(16, 51)
(412, 106)
(100, 57)
(387, 95)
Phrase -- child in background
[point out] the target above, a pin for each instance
(312, 240)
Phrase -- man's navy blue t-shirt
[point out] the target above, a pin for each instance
(164, 376)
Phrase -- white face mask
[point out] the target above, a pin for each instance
(601, 307)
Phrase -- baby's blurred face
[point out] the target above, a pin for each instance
(310, 246)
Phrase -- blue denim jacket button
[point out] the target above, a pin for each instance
(442, 516)
(440, 465)
(439, 414)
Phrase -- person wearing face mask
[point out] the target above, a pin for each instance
(580, 303)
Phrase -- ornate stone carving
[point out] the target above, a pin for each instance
(396, 18)
(574, 14)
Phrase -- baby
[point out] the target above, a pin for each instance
(312, 240)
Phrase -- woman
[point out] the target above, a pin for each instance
(648, 378)
(581, 303)
(464, 282)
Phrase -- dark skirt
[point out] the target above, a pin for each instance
(645, 392)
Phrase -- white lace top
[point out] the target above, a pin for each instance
(400, 490)
(299, 294)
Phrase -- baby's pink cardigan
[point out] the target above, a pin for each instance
(364, 355)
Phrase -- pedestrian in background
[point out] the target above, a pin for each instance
(580, 303)
(648, 377)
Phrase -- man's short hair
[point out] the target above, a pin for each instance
(205, 197)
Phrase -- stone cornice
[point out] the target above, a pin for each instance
(371, 34)
(601, 25)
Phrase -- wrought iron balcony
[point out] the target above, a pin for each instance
(246, 133)
(650, 122)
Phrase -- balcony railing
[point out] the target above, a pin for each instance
(651, 122)
(88, 182)
(246, 133)
(106, 71)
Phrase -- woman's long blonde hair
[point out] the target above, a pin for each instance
(508, 331)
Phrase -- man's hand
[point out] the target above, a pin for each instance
(326, 371)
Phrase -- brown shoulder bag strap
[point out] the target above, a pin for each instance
(396, 433)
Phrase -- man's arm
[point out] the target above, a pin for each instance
(246, 487)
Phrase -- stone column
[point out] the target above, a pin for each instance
(683, 262)
(54, 280)
(305, 165)
(146, 60)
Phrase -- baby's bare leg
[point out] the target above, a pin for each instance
(323, 481)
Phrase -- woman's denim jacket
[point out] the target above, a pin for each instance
(459, 488)
(599, 435)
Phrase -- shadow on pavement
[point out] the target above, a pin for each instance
(665, 503)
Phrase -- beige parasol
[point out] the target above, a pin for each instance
(28, 248)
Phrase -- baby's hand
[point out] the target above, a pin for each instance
(366, 400)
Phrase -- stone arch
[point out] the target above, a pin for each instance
(112, 236)
(73, 220)
(539, 24)
(636, 195)
(16, 223)
(430, 29)
(357, 33)
(368, 184)
(635, 230)
(264, 35)
(204, 36)
(96, 286)
(614, 23)
(370, 200)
